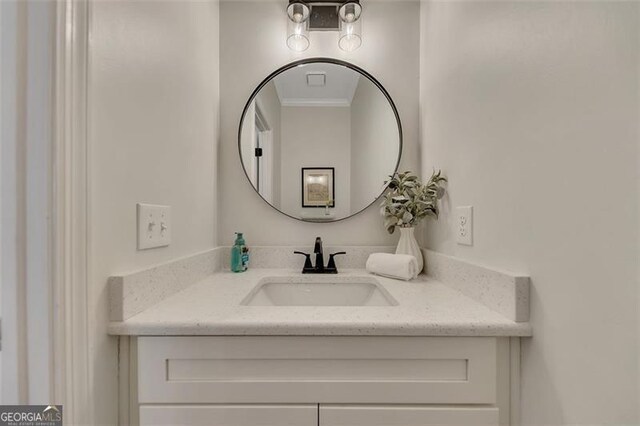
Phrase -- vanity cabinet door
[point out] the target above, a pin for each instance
(229, 415)
(407, 415)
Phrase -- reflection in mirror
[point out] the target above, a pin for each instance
(318, 140)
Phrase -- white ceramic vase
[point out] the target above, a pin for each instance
(408, 245)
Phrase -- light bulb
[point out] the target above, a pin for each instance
(350, 11)
(298, 12)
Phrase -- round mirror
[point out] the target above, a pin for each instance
(318, 138)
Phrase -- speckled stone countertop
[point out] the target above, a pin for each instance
(211, 306)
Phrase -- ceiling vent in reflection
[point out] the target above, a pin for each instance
(316, 79)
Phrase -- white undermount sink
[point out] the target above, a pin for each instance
(318, 291)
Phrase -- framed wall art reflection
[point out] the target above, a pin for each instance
(318, 187)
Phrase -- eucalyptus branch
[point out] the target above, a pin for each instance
(408, 201)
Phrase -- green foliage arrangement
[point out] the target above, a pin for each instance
(408, 201)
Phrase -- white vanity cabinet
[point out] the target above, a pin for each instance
(322, 380)
(230, 415)
(316, 414)
(395, 415)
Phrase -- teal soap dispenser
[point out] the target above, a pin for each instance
(239, 254)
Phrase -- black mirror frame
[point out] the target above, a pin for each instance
(313, 61)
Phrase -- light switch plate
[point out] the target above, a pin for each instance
(464, 225)
(154, 226)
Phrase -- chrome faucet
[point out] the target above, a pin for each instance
(319, 268)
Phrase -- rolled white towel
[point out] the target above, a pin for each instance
(400, 266)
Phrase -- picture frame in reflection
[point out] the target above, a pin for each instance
(318, 187)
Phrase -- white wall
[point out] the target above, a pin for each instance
(374, 143)
(26, 62)
(389, 51)
(153, 114)
(13, 33)
(315, 137)
(531, 109)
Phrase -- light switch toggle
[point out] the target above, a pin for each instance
(150, 235)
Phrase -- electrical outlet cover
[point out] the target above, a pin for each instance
(154, 226)
(464, 225)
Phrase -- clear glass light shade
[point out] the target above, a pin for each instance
(297, 36)
(350, 35)
(298, 12)
(350, 11)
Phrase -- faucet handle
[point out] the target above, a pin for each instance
(307, 261)
(332, 263)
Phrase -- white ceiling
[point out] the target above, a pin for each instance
(341, 83)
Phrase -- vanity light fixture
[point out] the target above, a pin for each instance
(343, 16)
